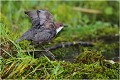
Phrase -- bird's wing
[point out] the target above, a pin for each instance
(39, 16)
(44, 36)
(32, 14)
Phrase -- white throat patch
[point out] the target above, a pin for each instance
(58, 29)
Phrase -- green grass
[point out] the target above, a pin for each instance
(28, 67)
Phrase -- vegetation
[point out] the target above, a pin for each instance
(75, 62)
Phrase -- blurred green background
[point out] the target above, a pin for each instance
(92, 21)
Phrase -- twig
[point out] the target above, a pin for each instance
(67, 44)
(62, 45)
(87, 10)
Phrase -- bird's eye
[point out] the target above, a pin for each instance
(61, 25)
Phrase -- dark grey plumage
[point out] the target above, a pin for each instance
(43, 28)
(38, 35)
(44, 36)
(28, 35)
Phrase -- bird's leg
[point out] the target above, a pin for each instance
(48, 52)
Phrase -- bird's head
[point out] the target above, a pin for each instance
(58, 26)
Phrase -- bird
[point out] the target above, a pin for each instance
(43, 29)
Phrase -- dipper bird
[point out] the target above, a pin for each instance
(44, 29)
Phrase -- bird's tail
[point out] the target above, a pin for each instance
(20, 39)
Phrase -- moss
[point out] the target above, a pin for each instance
(43, 68)
(88, 57)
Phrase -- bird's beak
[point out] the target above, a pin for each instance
(65, 25)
